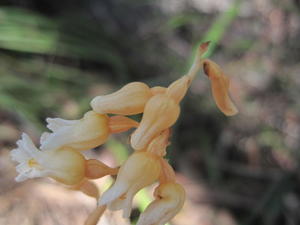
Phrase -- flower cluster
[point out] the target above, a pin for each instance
(59, 155)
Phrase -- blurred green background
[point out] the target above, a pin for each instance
(55, 56)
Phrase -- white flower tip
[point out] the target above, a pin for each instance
(44, 137)
(20, 178)
(13, 154)
(95, 104)
(55, 124)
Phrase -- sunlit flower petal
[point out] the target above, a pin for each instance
(169, 201)
(129, 100)
(90, 131)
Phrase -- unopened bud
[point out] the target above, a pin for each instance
(160, 113)
(158, 90)
(129, 100)
(178, 88)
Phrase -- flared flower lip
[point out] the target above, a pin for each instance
(28, 157)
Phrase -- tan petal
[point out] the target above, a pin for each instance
(160, 113)
(129, 100)
(219, 87)
(178, 88)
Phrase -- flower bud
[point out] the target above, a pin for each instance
(139, 170)
(89, 132)
(119, 124)
(169, 201)
(178, 88)
(158, 90)
(129, 100)
(219, 87)
(160, 113)
(64, 165)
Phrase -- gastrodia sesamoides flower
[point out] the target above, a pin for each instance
(220, 87)
(161, 112)
(138, 171)
(129, 100)
(64, 165)
(169, 199)
(90, 131)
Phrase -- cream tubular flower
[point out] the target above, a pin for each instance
(160, 113)
(140, 170)
(64, 165)
(169, 199)
(129, 100)
(219, 87)
(89, 132)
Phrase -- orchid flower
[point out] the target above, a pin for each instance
(129, 100)
(59, 155)
(139, 170)
(169, 199)
(64, 165)
(89, 132)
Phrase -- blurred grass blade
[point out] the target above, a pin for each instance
(26, 31)
(218, 28)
